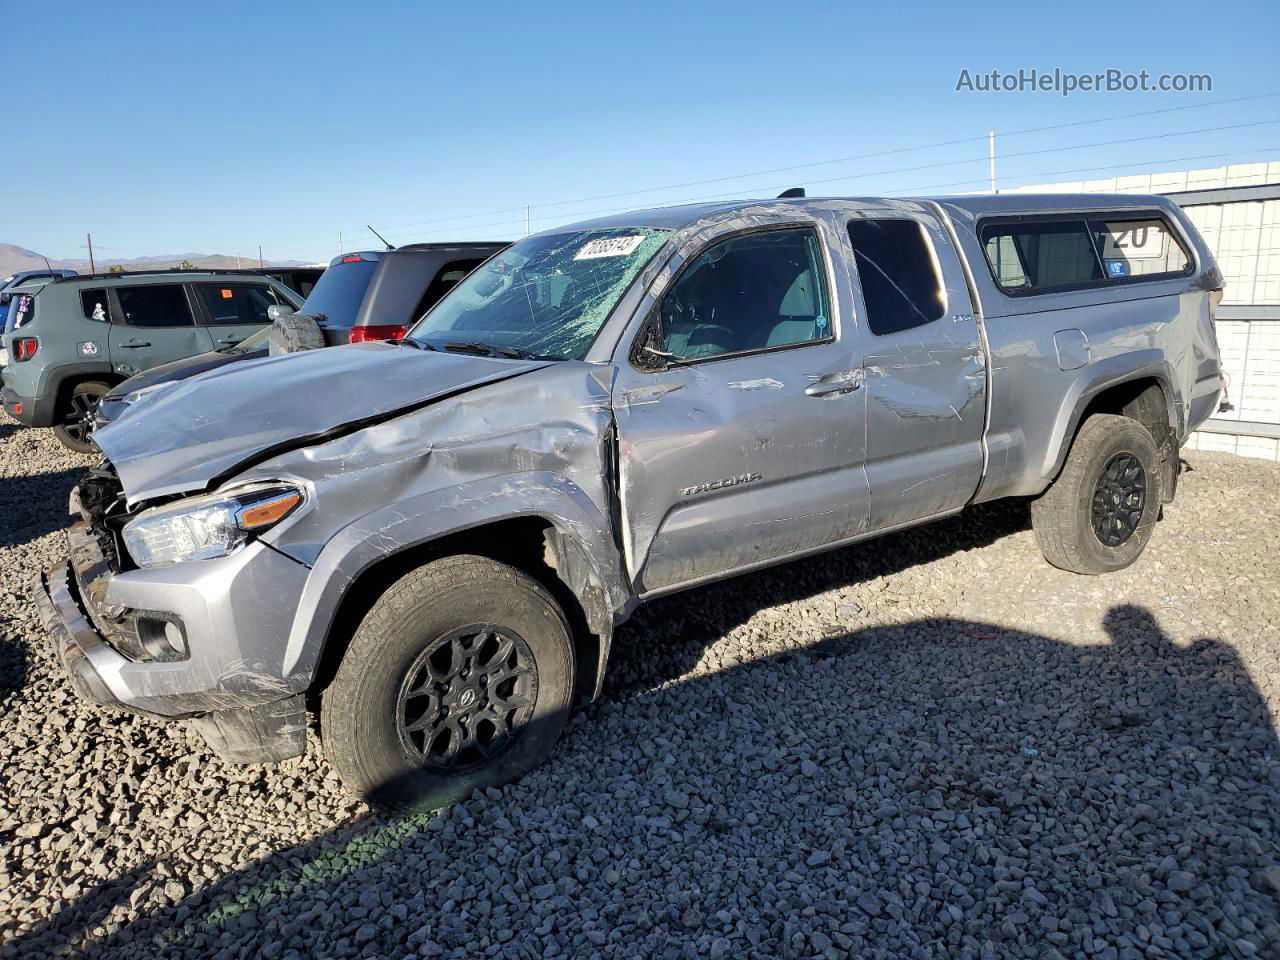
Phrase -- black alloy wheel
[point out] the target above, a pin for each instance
(78, 419)
(466, 698)
(1119, 500)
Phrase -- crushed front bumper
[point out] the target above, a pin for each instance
(247, 710)
(74, 639)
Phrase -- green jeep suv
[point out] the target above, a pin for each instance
(73, 339)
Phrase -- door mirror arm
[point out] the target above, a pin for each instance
(646, 355)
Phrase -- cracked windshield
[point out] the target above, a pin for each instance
(544, 297)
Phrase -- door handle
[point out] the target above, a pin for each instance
(835, 384)
(229, 341)
(135, 343)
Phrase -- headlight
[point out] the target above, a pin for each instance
(202, 528)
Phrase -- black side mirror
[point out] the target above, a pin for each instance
(5, 297)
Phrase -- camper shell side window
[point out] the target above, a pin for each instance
(1056, 253)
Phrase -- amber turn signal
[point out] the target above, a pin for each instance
(269, 511)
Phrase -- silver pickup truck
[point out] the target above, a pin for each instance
(434, 538)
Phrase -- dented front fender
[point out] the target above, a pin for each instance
(417, 521)
(538, 445)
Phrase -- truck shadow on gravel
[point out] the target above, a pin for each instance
(667, 638)
(939, 787)
(35, 505)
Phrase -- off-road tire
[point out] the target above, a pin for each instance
(294, 333)
(85, 397)
(360, 716)
(1063, 518)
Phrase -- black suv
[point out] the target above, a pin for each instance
(371, 295)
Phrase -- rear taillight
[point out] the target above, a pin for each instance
(24, 348)
(351, 258)
(379, 331)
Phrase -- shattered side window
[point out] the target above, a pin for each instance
(545, 296)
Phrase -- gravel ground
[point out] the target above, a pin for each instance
(933, 745)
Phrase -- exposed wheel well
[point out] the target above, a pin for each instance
(521, 542)
(69, 383)
(1143, 400)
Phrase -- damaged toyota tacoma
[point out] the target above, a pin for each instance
(431, 540)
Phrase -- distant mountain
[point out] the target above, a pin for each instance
(14, 258)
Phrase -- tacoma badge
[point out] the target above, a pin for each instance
(718, 484)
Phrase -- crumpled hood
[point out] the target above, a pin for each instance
(204, 427)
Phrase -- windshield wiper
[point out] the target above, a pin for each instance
(489, 350)
(410, 342)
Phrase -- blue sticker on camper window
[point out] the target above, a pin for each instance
(821, 323)
(1117, 268)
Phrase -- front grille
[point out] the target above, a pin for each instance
(102, 504)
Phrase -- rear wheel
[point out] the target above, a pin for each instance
(459, 677)
(76, 424)
(1100, 512)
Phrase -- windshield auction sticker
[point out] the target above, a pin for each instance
(609, 247)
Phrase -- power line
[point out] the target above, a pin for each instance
(1113, 166)
(874, 173)
(1032, 153)
(817, 163)
(862, 175)
(920, 188)
(915, 190)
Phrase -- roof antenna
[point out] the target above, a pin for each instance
(380, 237)
(791, 194)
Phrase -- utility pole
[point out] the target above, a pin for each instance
(89, 239)
(526, 221)
(339, 243)
(991, 158)
(260, 263)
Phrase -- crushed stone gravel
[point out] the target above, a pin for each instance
(930, 745)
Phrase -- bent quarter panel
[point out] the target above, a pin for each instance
(1033, 420)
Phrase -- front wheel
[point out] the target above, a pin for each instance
(76, 425)
(1099, 514)
(459, 677)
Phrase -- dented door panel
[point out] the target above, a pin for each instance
(926, 396)
(740, 461)
(731, 463)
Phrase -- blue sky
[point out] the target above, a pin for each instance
(281, 124)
